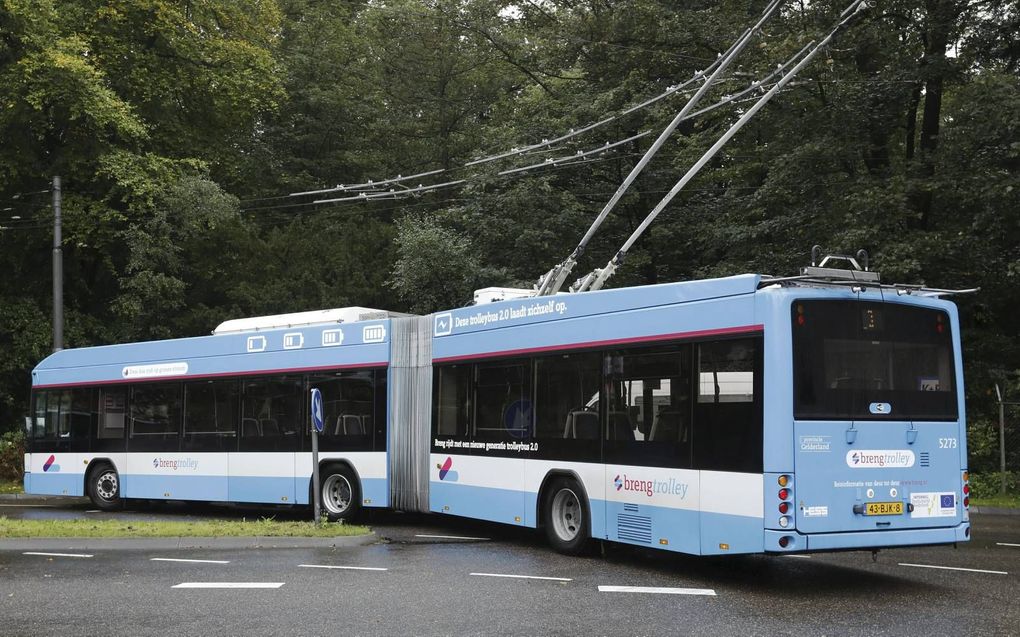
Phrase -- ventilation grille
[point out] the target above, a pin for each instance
(634, 528)
(925, 459)
(630, 508)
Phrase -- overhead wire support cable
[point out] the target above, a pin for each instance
(571, 158)
(553, 280)
(369, 183)
(596, 279)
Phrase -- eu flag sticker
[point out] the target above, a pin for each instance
(948, 501)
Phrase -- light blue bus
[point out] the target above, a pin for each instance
(744, 414)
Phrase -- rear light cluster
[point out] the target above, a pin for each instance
(966, 489)
(785, 497)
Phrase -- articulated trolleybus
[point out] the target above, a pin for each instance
(735, 415)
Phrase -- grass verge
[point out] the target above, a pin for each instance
(265, 527)
(1000, 501)
(7, 486)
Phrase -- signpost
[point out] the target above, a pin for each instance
(316, 430)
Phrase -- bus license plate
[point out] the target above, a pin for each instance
(884, 508)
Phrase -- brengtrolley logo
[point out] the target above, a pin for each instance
(879, 459)
(175, 463)
(445, 473)
(651, 487)
(50, 465)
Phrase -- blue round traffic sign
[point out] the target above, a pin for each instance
(317, 420)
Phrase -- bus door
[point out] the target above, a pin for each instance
(877, 427)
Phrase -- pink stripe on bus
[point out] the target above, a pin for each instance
(260, 372)
(745, 329)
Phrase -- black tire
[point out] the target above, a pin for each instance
(340, 495)
(567, 517)
(104, 487)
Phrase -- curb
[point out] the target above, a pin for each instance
(170, 543)
(980, 510)
(41, 498)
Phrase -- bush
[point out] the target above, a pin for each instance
(988, 485)
(12, 455)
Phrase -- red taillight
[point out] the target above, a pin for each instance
(784, 507)
(966, 502)
(966, 489)
(784, 541)
(784, 494)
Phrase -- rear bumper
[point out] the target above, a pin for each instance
(864, 539)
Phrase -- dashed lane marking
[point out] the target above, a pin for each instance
(657, 589)
(1006, 544)
(449, 537)
(180, 559)
(57, 554)
(348, 568)
(802, 557)
(554, 579)
(955, 568)
(228, 585)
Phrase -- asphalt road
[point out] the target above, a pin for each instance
(412, 584)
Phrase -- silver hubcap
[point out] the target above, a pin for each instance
(106, 485)
(566, 515)
(336, 494)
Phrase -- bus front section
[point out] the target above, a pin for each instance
(878, 425)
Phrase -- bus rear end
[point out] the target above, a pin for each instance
(879, 448)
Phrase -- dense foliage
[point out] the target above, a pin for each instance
(178, 129)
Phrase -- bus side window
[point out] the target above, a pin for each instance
(451, 400)
(727, 419)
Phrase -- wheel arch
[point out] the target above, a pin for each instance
(543, 490)
(93, 464)
(326, 463)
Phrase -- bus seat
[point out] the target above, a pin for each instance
(620, 426)
(269, 427)
(250, 427)
(353, 425)
(669, 427)
(582, 425)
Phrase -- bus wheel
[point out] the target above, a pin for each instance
(104, 487)
(341, 493)
(566, 517)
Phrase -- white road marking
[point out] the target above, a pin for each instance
(450, 537)
(229, 585)
(349, 568)
(58, 554)
(955, 568)
(554, 579)
(1006, 544)
(179, 559)
(93, 511)
(803, 557)
(657, 589)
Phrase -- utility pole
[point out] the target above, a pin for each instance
(58, 271)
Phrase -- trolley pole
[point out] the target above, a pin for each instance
(58, 271)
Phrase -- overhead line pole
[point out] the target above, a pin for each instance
(553, 281)
(595, 280)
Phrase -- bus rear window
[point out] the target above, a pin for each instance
(872, 361)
